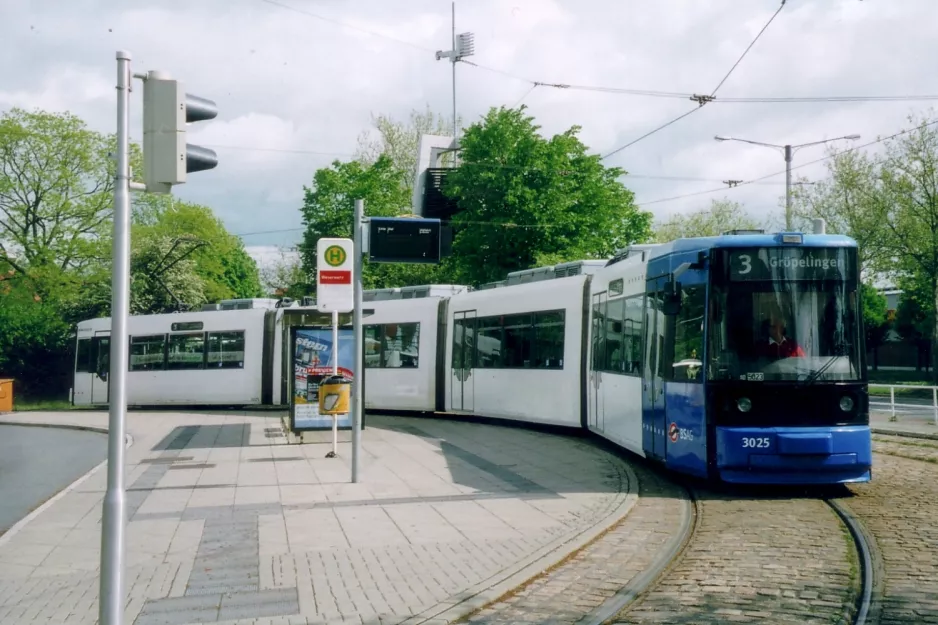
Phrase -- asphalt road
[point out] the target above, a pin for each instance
(38, 462)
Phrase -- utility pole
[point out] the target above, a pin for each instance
(788, 149)
(463, 46)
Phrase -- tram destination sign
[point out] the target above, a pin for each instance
(403, 240)
(791, 263)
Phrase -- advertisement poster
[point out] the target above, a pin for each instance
(313, 355)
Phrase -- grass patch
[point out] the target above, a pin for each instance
(899, 377)
(34, 405)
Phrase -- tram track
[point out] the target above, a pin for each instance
(871, 571)
(598, 580)
(757, 558)
(895, 512)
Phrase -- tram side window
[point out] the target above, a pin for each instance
(599, 336)
(83, 356)
(488, 343)
(147, 353)
(186, 351)
(392, 345)
(372, 336)
(548, 340)
(225, 350)
(632, 335)
(688, 336)
(519, 341)
(615, 312)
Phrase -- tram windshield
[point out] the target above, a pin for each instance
(785, 314)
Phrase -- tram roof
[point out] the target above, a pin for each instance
(748, 240)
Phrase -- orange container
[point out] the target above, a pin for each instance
(6, 395)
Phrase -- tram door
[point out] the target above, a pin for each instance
(463, 355)
(598, 332)
(654, 429)
(101, 367)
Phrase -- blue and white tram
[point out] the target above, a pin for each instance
(746, 351)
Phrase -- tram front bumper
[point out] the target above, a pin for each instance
(803, 455)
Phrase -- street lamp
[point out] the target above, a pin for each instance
(789, 150)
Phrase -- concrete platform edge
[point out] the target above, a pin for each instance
(906, 434)
(531, 567)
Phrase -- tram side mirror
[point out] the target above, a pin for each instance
(671, 304)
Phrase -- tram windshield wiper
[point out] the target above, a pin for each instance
(811, 379)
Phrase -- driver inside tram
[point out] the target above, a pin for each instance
(777, 344)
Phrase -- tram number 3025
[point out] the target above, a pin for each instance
(760, 442)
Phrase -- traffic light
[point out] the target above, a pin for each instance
(167, 158)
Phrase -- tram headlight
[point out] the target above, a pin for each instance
(744, 404)
(846, 403)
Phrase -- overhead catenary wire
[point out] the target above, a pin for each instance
(781, 172)
(701, 100)
(652, 93)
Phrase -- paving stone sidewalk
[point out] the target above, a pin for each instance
(228, 522)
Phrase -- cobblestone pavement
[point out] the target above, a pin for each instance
(593, 575)
(905, 447)
(898, 508)
(783, 560)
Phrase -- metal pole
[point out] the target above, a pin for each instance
(455, 128)
(892, 402)
(111, 598)
(788, 188)
(934, 402)
(358, 399)
(335, 372)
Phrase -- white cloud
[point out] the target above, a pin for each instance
(294, 84)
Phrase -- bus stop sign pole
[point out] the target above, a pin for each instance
(358, 400)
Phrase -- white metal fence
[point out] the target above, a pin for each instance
(892, 399)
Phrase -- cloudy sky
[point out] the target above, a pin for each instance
(297, 81)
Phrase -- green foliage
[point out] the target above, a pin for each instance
(400, 141)
(875, 312)
(34, 343)
(56, 206)
(328, 210)
(915, 315)
(847, 201)
(285, 277)
(219, 258)
(56, 190)
(723, 215)
(525, 200)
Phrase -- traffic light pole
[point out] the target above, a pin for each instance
(358, 398)
(111, 598)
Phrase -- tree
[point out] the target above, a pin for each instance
(328, 211)
(526, 200)
(34, 341)
(875, 322)
(722, 216)
(286, 277)
(220, 259)
(400, 141)
(56, 190)
(847, 201)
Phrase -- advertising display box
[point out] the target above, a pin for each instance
(312, 353)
